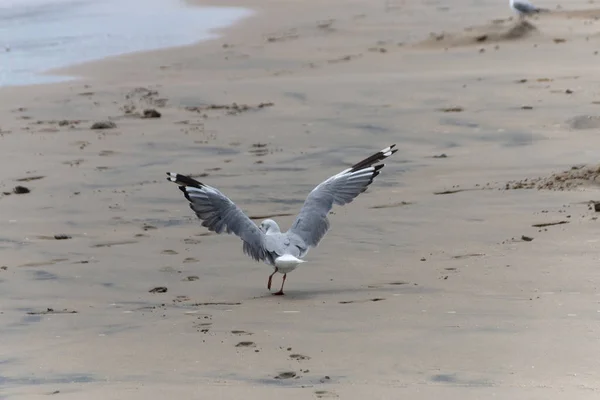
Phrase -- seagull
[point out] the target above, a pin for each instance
(281, 250)
(525, 8)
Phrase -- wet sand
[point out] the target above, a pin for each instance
(452, 276)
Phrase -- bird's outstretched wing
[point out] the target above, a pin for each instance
(311, 224)
(525, 7)
(219, 214)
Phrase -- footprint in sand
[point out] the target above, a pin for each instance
(74, 162)
(115, 243)
(242, 333)
(30, 178)
(246, 344)
(326, 24)
(58, 236)
(324, 394)
(361, 301)
(397, 283)
(391, 205)
(217, 303)
(181, 298)
(169, 252)
(345, 58)
(282, 36)
(286, 375)
(170, 270)
(498, 32)
(44, 263)
(461, 256)
(82, 144)
(259, 149)
(299, 357)
(51, 311)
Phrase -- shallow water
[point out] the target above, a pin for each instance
(39, 35)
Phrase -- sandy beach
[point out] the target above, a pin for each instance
(468, 270)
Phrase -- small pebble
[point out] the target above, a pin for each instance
(21, 190)
(151, 113)
(103, 125)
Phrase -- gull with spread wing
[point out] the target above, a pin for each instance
(525, 8)
(282, 250)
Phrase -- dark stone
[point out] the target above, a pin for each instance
(103, 125)
(151, 113)
(21, 190)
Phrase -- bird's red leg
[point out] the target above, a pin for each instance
(280, 293)
(270, 279)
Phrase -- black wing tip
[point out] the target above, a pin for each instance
(375, 174)
(185, 193)
(183, 180)
(389, 150)
(369, 161)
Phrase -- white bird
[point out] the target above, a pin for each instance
(283, 251)
(525, 8)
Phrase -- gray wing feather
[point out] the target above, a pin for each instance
(219, 214)
(312, 224)
(525, 7)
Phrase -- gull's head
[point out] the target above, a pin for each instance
(269, 226)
